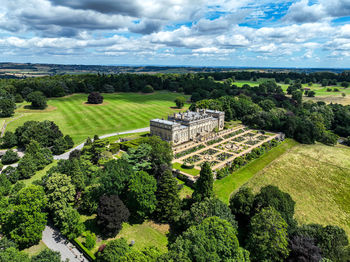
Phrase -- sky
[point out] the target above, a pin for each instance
(261, 33)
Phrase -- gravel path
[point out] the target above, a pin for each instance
(66, 155)
(56, 242)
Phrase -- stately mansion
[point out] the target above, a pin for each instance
(183, 127)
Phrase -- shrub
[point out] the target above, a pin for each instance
(10, 157)
(90, 240)
(336, 90)
(329, 89)
(187, 166)
(147, 89)
(95, 98)
(311, 94)
(180, 101)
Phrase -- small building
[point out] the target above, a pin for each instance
(183, 127)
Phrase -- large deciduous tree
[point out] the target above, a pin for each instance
(141, 194)
(214, 239)
(111, 214)
(180, 101)
(268, 236)
(38, 100)
(114, 251)
(95, 98)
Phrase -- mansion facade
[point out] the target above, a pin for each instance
(183, 127)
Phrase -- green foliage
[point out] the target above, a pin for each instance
(141, 194)
(208, 207)
(60, 146)
(241, 205)
(267, 104)
(38, 100)
(9, 140)
(14, 255)
(60, 191)
(69, 141)
(115, 177)
(45, 132)
(204, 184)
(68, 221)
(114, 251)
(25, 222)
(5, 185)
(148, 89)
(213, 240)
(140, 157)
(268, 238)
(7, 107)
(47, 255)
(332, 240)
(90, 240)
(10, 157)
(83, 249)
(272, 196)
(180, 101)
(18, 98)
(168, 200)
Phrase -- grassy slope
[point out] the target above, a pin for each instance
(318, 179)
(119, 112)
(223, 188)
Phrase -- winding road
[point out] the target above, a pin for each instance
(66, 155)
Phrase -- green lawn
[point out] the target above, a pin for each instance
(119, 112)
(318, 179)
(192, 171)
(36, 249)
(223, 188)
(146, 234)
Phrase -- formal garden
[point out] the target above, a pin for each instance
(221, 151)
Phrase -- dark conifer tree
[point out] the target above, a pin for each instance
(204, 184)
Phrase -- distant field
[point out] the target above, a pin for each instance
(318, 179)
(119, 112)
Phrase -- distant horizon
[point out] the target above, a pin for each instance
(188, 66)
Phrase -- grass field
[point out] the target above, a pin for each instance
(223, 188)
(318, 179)
(36, 249)
(119, 112)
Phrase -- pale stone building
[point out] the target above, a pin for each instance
(183, 127)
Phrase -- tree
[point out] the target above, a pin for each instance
(111, 213)
(60, 191)
(115, 177)
(214, 239)
(148, 89)
(297, 96)
(59, 146)
(180, 101)
(241, 205)
(14, 255)
(38, 100)
(26, 167)
(267, 104)
(68, 221)
(168, 201)
(141, 195)
(7, 107)
(345, 84)
(10, 157)
(268, 238)
(25, 222)
(47, 255)
(69, 141)
(41, 156)
(160, 156)
(204, 185)
(114, 251)
(280, 201)
(5, 185)
(332, 240)
(303, 249)
(95, 98)
(311, 93)
(209, 207)
(140, 157)
(18, 98)
(9, 140)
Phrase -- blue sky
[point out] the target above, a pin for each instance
(261, 33)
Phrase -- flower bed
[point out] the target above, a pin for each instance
(192, 159)
(189, 151)
(210, 152)
(214, 141)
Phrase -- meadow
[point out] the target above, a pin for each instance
(318, 179)
(119, 112)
